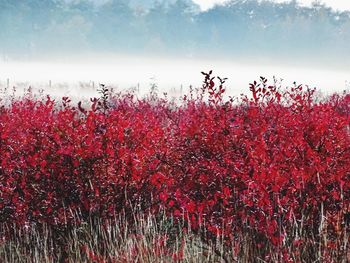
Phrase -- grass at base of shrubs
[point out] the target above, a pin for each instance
(151, 238)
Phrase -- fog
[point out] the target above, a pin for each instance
(79, 78)
(68, 47)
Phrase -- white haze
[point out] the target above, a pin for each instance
(80, 79)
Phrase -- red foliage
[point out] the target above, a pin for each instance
(260, 165)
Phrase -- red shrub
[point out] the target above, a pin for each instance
(264, 165)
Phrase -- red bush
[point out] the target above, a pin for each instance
(263, 165)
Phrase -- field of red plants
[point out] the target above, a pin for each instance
(270, 169)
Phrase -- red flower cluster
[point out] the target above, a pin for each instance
(264, 165)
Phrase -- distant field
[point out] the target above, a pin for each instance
(124, 72)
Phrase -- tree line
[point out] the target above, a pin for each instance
(237, 28)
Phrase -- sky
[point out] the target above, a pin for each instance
(336, 4)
